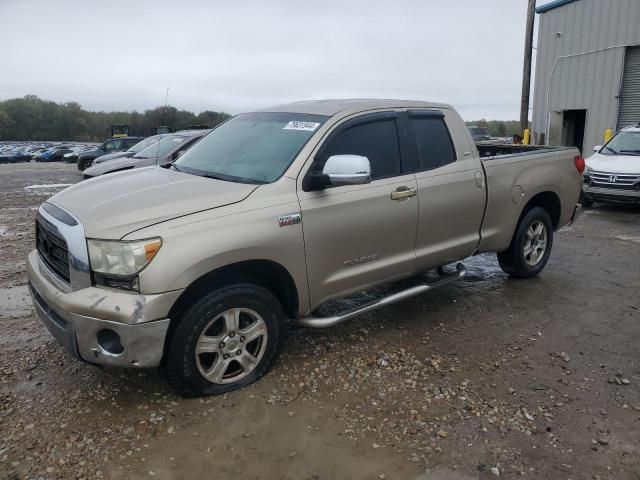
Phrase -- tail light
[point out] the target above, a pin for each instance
(579, 163)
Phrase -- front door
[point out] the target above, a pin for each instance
(357, 235)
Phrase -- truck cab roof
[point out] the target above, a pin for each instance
(330, 107)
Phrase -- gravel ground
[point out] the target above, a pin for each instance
(490, 376)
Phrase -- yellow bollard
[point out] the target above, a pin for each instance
(526, 137)
(608, 133)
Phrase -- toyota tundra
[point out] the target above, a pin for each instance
(200, 266)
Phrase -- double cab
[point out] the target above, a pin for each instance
(201, 265)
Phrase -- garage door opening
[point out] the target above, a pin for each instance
(573, 123)
(629, 109)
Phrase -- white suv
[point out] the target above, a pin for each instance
(613, 172)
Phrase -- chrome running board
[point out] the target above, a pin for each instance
(324, 322)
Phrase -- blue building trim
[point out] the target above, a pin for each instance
(553, 5)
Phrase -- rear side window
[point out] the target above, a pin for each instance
(377, 140)
(434, 144)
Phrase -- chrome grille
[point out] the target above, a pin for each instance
(52, 249)
(616, 180)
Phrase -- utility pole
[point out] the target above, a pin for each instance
(526, 70)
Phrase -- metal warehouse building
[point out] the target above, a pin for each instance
(587, 71)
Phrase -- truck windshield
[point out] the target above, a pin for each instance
(624, 143)
(253, 147)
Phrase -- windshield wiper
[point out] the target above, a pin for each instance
(633, 152)
(173, 165)
(229, 178)
(612, 150)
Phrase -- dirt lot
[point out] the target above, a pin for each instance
(490, 376)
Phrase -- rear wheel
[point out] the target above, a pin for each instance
(225, 341)
(530, 247)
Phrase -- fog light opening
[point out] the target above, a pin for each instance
(110, 341)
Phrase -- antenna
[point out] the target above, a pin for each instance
(166, 99)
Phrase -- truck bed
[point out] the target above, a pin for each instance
(514, 174)
(489, 151)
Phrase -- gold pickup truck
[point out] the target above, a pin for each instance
(201, 266)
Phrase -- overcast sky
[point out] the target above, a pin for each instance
(239, 55)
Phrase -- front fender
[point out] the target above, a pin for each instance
(195, 245)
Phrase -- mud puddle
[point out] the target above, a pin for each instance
(241, 441)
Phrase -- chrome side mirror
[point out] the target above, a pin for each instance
(597, 148)
(347, 170)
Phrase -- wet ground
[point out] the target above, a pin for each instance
(537, 378)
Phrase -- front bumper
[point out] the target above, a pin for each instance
(99, 325)
(616, 195)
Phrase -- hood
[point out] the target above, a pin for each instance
(614, 163)
(113, 156)
(112, 206)
(90, 154)
(100, 168)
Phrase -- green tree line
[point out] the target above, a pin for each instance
(32, 118)
(498, 128)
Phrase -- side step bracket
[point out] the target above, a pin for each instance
(324, 322)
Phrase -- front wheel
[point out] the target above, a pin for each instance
(530, 247)
(226, 340)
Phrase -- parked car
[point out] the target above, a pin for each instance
(129, 152)
(479, 134)
(163, 152)
(201, 265)
(53, 154)
(613, 171)
(72, 156)
(15, 155)
(108, 146)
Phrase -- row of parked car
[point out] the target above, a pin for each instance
(116, 155)
(14, 152)
(113, 155)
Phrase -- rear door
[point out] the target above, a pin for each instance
(451, 190)
(357, 235)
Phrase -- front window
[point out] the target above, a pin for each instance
(253, 147)
(376, 139)
(624, 143)
(161, 148)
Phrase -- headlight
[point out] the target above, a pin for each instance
(121, 258)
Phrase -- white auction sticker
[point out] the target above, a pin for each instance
(307, 126)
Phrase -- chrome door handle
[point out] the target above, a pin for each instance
(403, 192)
(479, 180)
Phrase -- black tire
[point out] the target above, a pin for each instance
(180, 365)
(512, 260)
(586, 202)
(85, 163)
